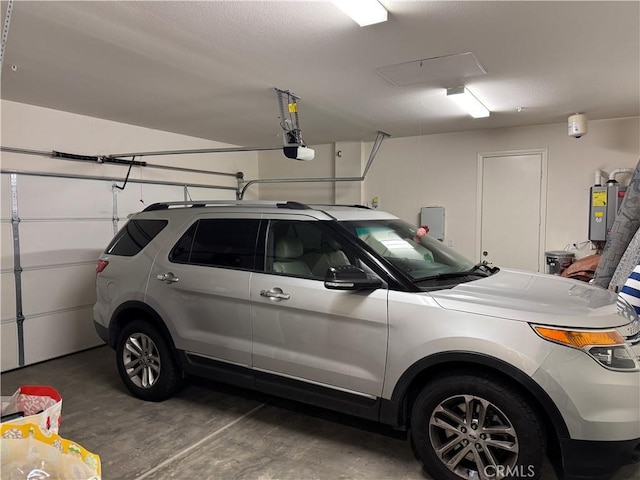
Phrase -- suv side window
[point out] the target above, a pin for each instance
(304, 249)
(229, 243)
(134, 236)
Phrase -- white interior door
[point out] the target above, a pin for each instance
(511, 190)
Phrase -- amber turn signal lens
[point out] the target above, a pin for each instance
(580, 339)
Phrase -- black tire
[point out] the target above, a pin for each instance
(501, 437)
(145, 362)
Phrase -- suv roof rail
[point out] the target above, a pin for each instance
(350, 205)
(205, 203)
(293, 206)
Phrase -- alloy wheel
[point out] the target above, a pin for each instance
(141, 360)
(473, 438)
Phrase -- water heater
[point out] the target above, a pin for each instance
(603, 208)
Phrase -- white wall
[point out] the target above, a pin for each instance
(412, 172)
(442, 170)
(339, 160)
(65, 223)
(27, 126)
(273, 164)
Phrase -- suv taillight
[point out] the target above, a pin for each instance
(102, 264)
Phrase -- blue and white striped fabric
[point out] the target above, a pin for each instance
(631, 289)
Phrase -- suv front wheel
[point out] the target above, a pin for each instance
(145, 362)
(476, 427)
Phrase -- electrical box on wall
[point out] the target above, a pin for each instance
(433, 217)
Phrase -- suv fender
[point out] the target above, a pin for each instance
(132, 310)
(396, 411)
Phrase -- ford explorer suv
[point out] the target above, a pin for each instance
(488, 369)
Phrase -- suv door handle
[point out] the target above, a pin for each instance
(275, 294)
(168, 278)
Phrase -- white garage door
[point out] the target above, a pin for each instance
(52, 231)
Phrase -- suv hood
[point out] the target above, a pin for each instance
(534, 297)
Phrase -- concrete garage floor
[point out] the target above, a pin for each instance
(209, 430)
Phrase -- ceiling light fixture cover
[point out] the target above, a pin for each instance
(466, 100)
(363, 12)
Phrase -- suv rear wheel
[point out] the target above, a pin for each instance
(467, 426)
(145, 362)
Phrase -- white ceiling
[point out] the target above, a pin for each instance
(208, 69)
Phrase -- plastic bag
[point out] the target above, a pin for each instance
(41, 405)
(28, 453)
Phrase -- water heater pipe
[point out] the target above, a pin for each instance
(618, 171)
(598, 178)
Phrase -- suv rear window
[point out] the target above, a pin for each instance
(227, 243)
(134, 236)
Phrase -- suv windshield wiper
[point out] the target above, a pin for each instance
(479, 269)
(485, 267)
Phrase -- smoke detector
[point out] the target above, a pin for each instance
(577, 125)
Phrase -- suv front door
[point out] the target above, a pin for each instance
(303, 331)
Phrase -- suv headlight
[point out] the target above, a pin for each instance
(607, 347)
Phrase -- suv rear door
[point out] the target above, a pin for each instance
(303, 331)
(201, 287)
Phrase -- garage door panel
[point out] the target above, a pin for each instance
(44, 197)
(6, 246)
(9, 344)
(52, 289)
(58, 334)
(65, 225)
(5, 197)
(55, 243)
(129, 199)
(8, 296)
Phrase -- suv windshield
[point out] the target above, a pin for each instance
(411, 251)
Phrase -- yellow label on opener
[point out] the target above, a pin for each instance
(599, 214)
(293, 107)
(599, 199)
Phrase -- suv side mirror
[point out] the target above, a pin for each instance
(348, 277)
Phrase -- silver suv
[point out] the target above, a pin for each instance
(356, 310)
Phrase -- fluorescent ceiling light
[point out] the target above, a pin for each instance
(466, 100)
(363, 12)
